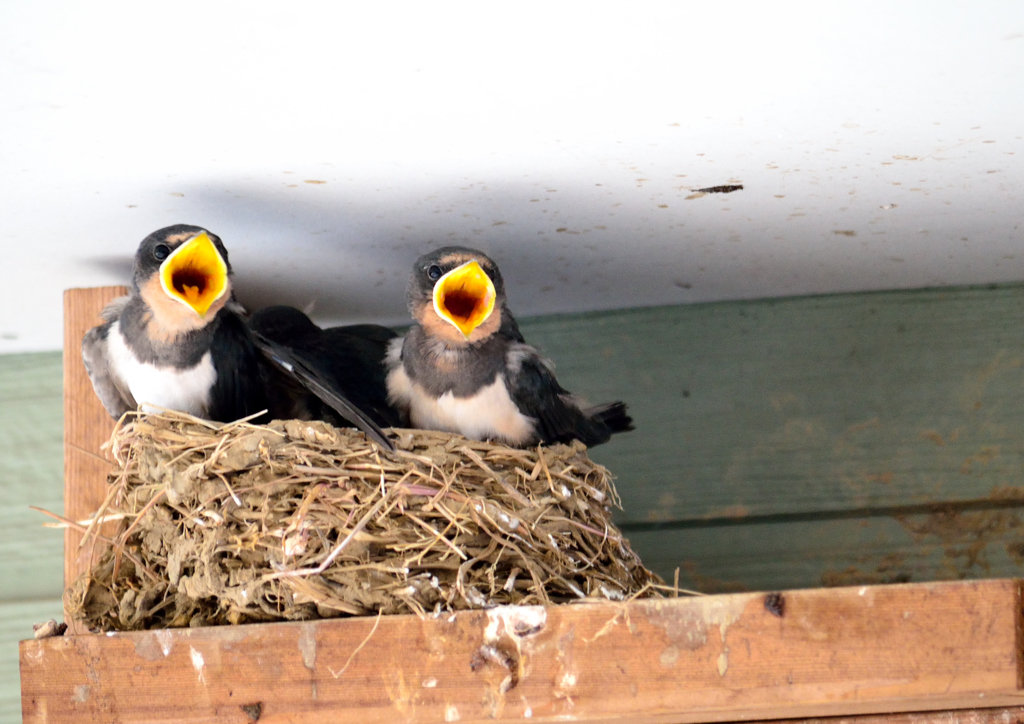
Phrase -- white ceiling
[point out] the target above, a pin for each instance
(329, 144)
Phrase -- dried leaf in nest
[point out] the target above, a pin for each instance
(298, 520)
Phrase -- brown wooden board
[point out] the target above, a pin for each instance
(997, 715)
(802, 653)
(86, 424)
(16, 621)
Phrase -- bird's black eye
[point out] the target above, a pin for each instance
(161, 252)
(434, 272)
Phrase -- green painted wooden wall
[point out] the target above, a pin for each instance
(31, 460)
(813, 441)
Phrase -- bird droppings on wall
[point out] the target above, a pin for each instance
(725, 189)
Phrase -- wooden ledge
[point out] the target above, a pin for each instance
(824, 652)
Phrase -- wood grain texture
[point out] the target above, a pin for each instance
(719, 658)
(997, 715)
(16, 620)
(804, 405)
(86, 424)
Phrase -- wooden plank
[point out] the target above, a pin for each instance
(803, 405)
(998, 715)
(718, 658)
(852, 551)
(30, 469)
(16, 621)
(86, 424)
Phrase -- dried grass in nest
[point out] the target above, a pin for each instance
(297, 520)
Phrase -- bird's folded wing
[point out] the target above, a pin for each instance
(537, 393)
(116, 398)
(294, 367)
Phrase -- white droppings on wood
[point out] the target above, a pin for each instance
(451, 713)
(307, 645)
(518, 622)
(198, 664)
(166, 640)
(687, 622)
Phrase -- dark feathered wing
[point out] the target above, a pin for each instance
(559, 419)
(239, 390)
(353, 358)
(115, 396)
(308, 378)
(342, 367)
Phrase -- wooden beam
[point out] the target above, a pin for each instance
(824, 652)
(16, 620)
(997, 715)
(86, 424)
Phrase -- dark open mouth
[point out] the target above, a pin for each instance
(189, 282)
(462, 304)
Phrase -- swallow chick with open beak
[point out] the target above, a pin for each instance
(349, 360)
(464, 366)
(178, 340)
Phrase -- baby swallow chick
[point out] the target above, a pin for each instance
(178, 340)
(464, 366)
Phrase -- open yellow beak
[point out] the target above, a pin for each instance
(465, 297)
(195, 274)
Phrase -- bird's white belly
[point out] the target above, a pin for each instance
(490, 413)
(186, 390)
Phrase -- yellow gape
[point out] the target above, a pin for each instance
(195, 274)
(465, 297)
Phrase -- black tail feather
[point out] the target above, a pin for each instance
(613, 415)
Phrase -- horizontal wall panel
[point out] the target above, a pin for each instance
(31, 440)
(942, 545)
(807, 404)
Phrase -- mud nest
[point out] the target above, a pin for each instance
(226, 524)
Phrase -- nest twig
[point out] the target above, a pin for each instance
(297, 520)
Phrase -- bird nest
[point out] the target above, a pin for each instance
(239, 523)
